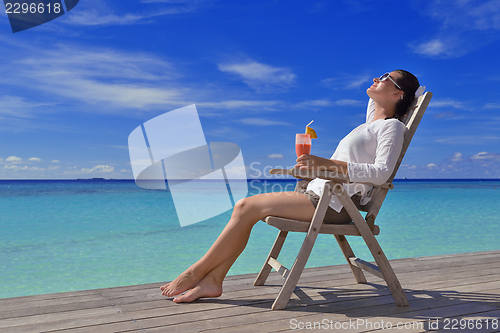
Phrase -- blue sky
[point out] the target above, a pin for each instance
(73, 89)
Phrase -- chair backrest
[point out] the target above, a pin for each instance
(411, 120)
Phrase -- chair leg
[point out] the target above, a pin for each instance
(296, 271)
(305, 250)
(291, 280)
(275, 251)
(386, 269)
(349, 253)
(378, 254)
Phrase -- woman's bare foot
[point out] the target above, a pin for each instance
(183, 282)
(163, 287)
(207, 287)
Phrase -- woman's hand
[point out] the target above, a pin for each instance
(309, 162)
(312, 162)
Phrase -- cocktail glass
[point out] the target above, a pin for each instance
(302, 144)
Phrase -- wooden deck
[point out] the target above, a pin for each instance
(459, 286)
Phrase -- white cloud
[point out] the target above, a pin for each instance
(17, 114)
(492, 106)
(263, 122)
(115, 81)
(465, 26)
(448, 102)
(17, 107)
(97, 75)
(466, 14)
(468, 139)
(14, 159)
(347, 81)
(408, 166)
(99, 13)
(98, 169)
(486, 15)
(482, 164)
(55, 161)
(448, 115)
(485, 156)
(124, 95)
(96, 17)
(99, 63)
(236, 104)
(16, 168)
(258, 76)
(456, 157)
(34, 159)
(433, 47)
(276, 156)
(350, 102)
(327, 102)
(111, 81)
(314, 103)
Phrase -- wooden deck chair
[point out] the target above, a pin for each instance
(364, 227)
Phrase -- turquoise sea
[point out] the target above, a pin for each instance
(65, 235)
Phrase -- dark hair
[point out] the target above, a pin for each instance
(409, 85)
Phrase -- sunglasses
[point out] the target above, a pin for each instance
(386, 76)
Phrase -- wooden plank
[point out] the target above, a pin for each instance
(369, 267)
(301, 226)
(196, 315)
(318, 275)
(282, 270)
(39, 319)
(462, 309)
(339, 312)
(425, 308)
(347, 280)
(434, 302)
(430, 315)
(274, 253)
(190, 307)
(457, 285)
(475, 262)
(236, 320)
(482, 322)
(341, 271)
(348, 253)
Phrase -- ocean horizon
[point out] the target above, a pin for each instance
(74, 234)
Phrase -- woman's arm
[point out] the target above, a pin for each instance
(312, 162)
(390, 140)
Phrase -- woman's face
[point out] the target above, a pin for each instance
(384, 91)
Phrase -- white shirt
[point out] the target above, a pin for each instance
(371, 151)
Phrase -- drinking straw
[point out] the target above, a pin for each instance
(308, 125)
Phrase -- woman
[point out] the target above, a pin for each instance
(368, 154)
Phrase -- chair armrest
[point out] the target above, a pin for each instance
(311, 174)
(328, 175)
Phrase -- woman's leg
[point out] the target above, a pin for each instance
(234, 237)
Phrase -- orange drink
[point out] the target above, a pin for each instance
(302, 144)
